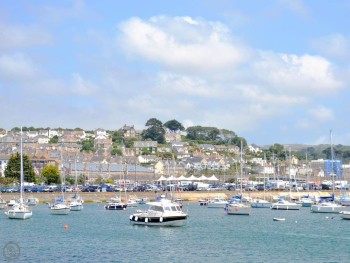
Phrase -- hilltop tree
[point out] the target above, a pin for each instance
(13, 168)
(174, 126)
(155, 131)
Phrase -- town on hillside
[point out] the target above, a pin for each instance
(146, 155)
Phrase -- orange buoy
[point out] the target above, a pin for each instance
(65, 227)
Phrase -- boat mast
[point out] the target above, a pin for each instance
(241, 168)
(22, 176)
(332, 164)
(290, 179)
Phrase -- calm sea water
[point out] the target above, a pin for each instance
(97, 235)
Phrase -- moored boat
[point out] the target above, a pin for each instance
(217, 202)
(160, 213)
(260, 203)
(282, 204)
(345, 214)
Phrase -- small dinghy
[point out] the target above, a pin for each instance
(279, 219)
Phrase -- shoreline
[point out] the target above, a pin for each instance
(191, 196)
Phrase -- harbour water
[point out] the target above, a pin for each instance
(98, 235)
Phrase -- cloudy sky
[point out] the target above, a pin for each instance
(273, 71)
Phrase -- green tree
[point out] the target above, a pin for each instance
(87, 145)
(116, 151)
(155, 131)
(54, 139)
(174, 125)
(51, 174)
(117, 137)
(13, 168)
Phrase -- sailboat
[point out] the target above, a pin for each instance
(20, 210)
(258, 202)
(3, 203)
(306, 201)
(116, 203)
(235, 205)
(283, 204)
(328, 206)
(60, 206)
(76, 204)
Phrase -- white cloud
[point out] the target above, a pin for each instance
(334, 46)
(18, 68)
(15, 37)
(175, 43)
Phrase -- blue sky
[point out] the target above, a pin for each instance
(274, 71)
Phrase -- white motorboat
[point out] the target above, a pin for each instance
(142, 201)
(31, 201)
(116, 206)
(279, 219)
(3, 203)
(160, 213)
(282, 204)
(260, 203)
(326, 207)
(217, 202)
(19, 209)
(12, 202)
(345, 214)
(132, 202)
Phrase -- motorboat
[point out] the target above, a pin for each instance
(132, 202)
(142, 201)
(279, 219)
(217, 202)
(236, 207)
(306, 202)
(203, 202)
(345, 214)
(260, 203)
(283, 204)
(12, 202)
(19, 211)
(3, 203)
(116, 206)
(327, 207)
(31, 201)
(179, 201)
(160, 213)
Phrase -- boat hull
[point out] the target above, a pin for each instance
(12, 214)
(76, 207)
(345, 215)
(174, 221)
(285, 207)
(216, 205)
(115, 206)
(261, 205)
(238, 210)
(326, 209)
(60, 211)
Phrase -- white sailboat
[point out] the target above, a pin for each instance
(76, 204)
(60, 206)
(235, 205)
(258, 202)
(20, 210)
(117, 203)
(328, 206)
(283, 204)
